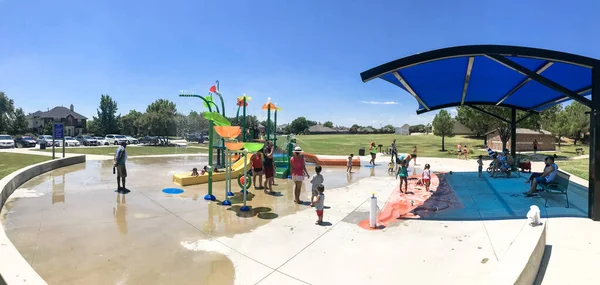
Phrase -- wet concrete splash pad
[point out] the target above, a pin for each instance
(73, 229)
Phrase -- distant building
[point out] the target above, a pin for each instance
(525, 139)
(460, 129)
(404, 130)
(74, 123)
(320, 129)
(282, 128)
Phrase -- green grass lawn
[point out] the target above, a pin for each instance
(577, 167)
(10, 162)
(427, 145)
(131, 150)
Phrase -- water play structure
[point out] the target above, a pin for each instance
(185, 179)
(330, 161)
(213, 118)
(222, 137)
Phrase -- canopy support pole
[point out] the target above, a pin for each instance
(513, 132)
(594, 188)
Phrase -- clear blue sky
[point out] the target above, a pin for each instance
(307, 55)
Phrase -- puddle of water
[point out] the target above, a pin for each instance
(82, 199)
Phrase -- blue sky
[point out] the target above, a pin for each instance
(306, 55)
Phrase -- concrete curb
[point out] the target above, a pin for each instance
(14, 269)
(521, 263)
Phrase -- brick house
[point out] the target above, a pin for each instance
(74, 123)
(525, 139)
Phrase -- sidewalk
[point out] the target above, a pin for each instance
(58, 154)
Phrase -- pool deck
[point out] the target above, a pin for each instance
(72, 228)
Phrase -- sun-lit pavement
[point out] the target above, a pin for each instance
(72, 228)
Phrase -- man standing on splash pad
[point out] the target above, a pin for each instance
(119, 165)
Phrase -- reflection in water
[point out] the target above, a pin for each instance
(58, 190)
(120, 213)
(210, 225)
(373, 171)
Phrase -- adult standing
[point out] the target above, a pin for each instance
(535, 146)
(268, 167)
(459, 148)
(298, 172)
(414, 154)
(405, 157)
(373, 152)
(119, 164)
(394, 151)
(465, 150)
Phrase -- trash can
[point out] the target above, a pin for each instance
(43, 145)
(361, 151)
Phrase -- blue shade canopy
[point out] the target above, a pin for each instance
(528, 79)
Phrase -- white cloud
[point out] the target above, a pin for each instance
(380, 103)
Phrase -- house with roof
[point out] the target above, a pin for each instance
(460, 129)
(525, 138)
(74, 123)
(404, 130)
(320, 129)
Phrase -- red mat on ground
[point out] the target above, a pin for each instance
(417, 203)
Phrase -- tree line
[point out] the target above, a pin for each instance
(12, 120)
(160, 118)
(570, 121)
(301, 125)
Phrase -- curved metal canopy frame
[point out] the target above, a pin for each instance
(477, 50)
(497, 53)
(500, 54)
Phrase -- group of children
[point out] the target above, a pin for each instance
(317, 198)
(202, 172)
(462, 151)
(502, 161)
(402, 173)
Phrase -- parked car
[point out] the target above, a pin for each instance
(101, 141)
(69, 141)
(25, 141)
(148, 140)
(6, 141)
(46, 139)
(203, 139)
(115, 139)
(132, 140)
(86, 140)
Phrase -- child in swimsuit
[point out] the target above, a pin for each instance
(403, 174)
(427, 177)
(349, 164)
(391, 166)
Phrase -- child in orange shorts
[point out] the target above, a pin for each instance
(426, 176)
